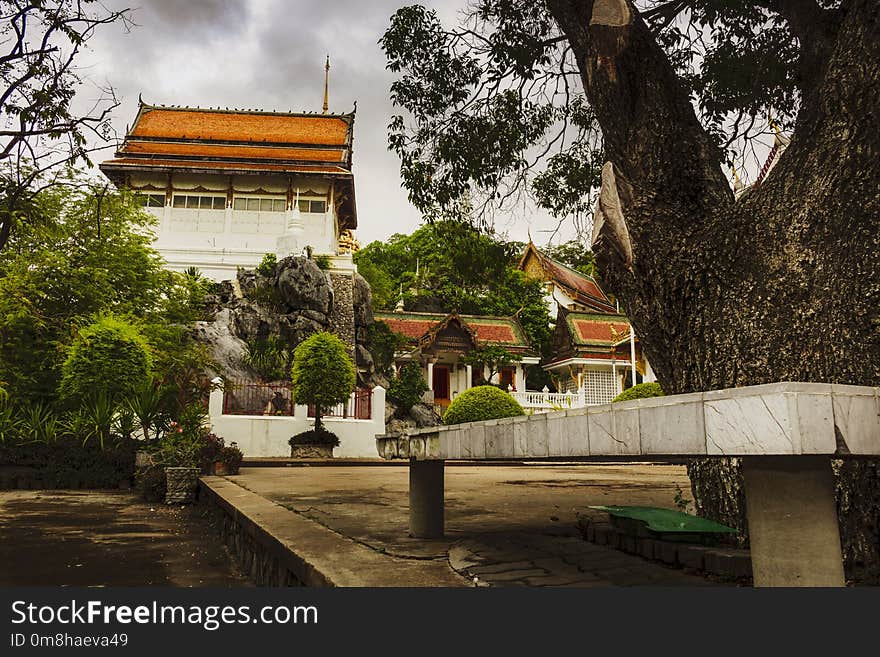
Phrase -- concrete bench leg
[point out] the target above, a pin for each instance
(792, 518)
(426, 507)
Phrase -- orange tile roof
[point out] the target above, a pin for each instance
(135, 163)
(584, 289)
(593, 329)
(497, 330)
(132, 147)
(219, 125)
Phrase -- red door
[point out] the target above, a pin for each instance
(441, 383)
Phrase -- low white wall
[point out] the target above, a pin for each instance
(267, 435)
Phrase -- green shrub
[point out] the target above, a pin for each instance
(267, 265)
(315, 437)
(269, 358)
(323, 373)
(323, 262)
(108, 357)
(407, 388)
(383, 344)
(640, 391)
(482, 403)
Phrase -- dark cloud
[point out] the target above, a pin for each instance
(204, 19)
(269, 54)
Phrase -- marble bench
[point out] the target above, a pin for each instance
(786, 433)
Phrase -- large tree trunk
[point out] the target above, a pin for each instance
(781, 285)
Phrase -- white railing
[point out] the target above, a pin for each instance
(549, 401)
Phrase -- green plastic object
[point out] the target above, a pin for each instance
(666, 521)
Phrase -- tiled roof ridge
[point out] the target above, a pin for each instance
(259, 112)
(443, 315)
(565, 266)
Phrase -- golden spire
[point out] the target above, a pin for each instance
(327, 85)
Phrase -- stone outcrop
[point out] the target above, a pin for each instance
(284, 306)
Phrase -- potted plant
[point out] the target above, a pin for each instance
(230, 459)
(180, 450)
(323, 375)
(211, 454)
(314, 444)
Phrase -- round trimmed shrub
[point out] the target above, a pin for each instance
(109, 357)
(640, 391)
(323, 373)
(482, 403)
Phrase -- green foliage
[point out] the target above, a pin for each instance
(319, 436)
(269, 358)
(493, 356)
(68, 464)
(89, 255)
(459, 269)
(481, 403)
(383, 344)
(640, 391)
(408, 387)
(268, 296)
(109, 357)
(267, 265)
(575, 254)
(323, 261)
(487, 108)
(323, 373)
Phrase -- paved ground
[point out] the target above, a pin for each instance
(107, 539)
(506, 525)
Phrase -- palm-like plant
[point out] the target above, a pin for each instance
(94, 419)
(9, 423)
(145, 403)
(38, 422)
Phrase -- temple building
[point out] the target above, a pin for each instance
(438, 341)
(595, 352)
(228, 186)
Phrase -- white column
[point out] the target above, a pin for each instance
(519, 378)
(431, 376)
(469, 369)
(632, 350)
(615, 377)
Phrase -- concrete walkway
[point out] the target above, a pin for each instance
(506, 525)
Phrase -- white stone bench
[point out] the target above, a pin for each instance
(786, 434)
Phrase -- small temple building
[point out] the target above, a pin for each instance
(228, 186)
(438, 341)
(595, 351)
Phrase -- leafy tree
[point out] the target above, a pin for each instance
(89, 255)
(383, 344)
(407, 388)
(649, 101)
(42, 132)
(323, 373)
(492, 356)
(575, 254)
(109, 357)
(452, 266)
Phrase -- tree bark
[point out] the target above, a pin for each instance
(781, 285)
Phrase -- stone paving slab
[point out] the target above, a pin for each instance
(506, 526)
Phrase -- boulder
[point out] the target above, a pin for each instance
(424, 416)
(303, 286)
(363, 302)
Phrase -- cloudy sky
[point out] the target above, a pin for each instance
(269, 54)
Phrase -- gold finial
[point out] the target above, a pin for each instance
(327, 85)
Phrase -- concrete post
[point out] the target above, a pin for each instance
(426, 506)
(470, 376)
(792, 518)
(430, 376)
(215, 401)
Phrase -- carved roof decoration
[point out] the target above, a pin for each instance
(423, 329)
(582, 288)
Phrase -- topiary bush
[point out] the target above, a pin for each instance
(640, 391)
(323, 373)
(482, 403)
(109, 357)
(407, 388)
